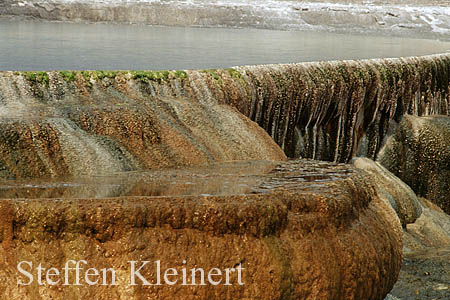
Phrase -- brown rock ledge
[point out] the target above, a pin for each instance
(301, 230)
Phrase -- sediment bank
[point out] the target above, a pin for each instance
(427, 19)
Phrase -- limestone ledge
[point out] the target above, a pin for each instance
(327, 238)
(324, 110)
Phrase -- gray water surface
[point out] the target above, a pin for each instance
(26, 45)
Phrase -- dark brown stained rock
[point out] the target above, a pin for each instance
(419, 154)
(302, 230)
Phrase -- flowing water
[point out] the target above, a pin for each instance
(231, 178)
(29, 45)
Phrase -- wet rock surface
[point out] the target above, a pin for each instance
(419, 153)
(399, 195)
(426, 238)
(231, 178)
(431, 230)
(311, 110)
(302, 229)
(55, 127)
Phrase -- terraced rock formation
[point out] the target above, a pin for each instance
(54, 125)
(320, 110)
(301, 230)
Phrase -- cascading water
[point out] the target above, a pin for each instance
(67, 123)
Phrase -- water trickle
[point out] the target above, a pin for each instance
(66, 123)
(233, 178)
